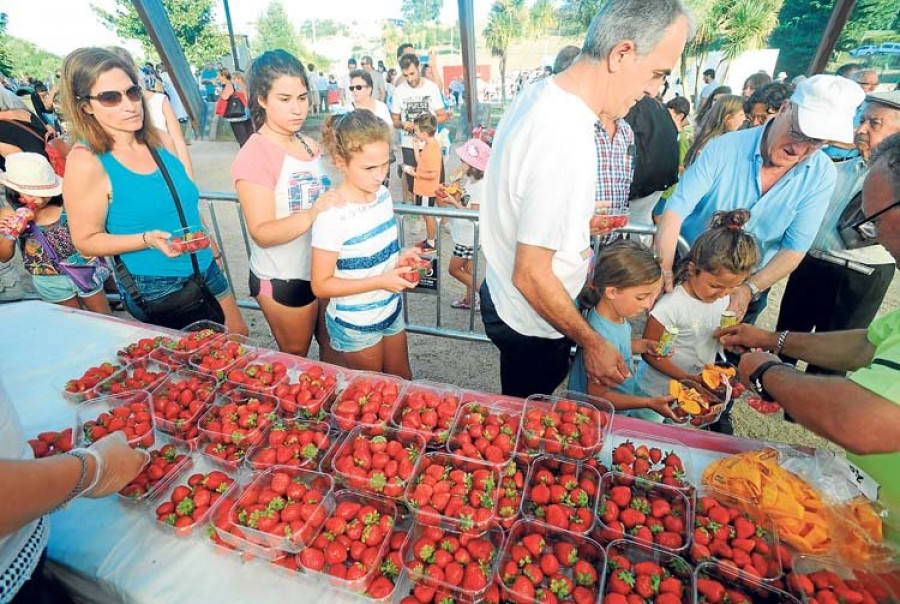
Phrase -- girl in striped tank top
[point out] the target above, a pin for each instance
(356, 254)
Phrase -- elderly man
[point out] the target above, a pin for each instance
(778, 172)
(850, 284)
(861, 412)
(559, 153)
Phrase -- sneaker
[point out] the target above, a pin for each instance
(425, 247)
(460, 304)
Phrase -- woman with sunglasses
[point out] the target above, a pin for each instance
(281, 183)
(116, 197)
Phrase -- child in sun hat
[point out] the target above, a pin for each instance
(34, 196)
(474, 154)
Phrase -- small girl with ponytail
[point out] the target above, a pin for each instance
(720, 260)
(627, 279)
(355, 250)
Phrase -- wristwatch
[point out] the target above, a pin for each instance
(754, 289)
(756, 380)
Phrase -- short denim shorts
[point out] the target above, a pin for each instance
(154, 288)
(347, 339)
(59, 288)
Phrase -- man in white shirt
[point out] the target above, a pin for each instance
(416, 95)
(345, 83)
(541, 188)
(378, 89)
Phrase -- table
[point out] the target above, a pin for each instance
(106, 551)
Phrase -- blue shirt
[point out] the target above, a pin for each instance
(726, 176)
(617, 334)
(850, 177)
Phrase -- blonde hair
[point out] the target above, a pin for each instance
(714, 124)
(345, 135)
(80, 71)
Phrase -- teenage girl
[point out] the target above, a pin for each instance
(355, 250)
(627, 279)
(720, 260)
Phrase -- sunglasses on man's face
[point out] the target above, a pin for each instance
(360, 87)
(113, 98)
(867, 228)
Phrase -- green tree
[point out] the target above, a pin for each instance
(506, 21)
(543, 17)
(5, 63)
(802, 23)
(26, 58)
(575, 15)
(417, 12)
(323, 28)
(275, 30)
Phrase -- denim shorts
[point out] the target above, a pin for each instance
(154, 288)
(347, 339)
(59, 288)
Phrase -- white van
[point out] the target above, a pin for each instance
(889, 48)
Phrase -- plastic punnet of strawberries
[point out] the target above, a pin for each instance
(293, 443)
(188, 503)
(305, 397)
(429, 410)
(562, 494)
(379, 460)
(485, 433)
(565, 427)
(368, 399)
(651, 463)
(640, 573)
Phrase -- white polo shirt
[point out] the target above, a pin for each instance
(539, 190)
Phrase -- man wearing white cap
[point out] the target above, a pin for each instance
(851, 277)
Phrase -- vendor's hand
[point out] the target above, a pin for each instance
(743, 337)
(159, 240)
(741, 297)
(663, 406)
(600, 223)
(603, 363)
(394, 281)
(118, 465)
(327, 200)
(750, 362)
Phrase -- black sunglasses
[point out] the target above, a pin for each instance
(359, 87)
(866, 228)
(112, 98)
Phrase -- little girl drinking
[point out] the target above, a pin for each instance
(356, 253)
(627, 279)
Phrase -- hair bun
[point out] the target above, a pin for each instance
(734, 219)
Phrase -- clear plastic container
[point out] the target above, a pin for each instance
(139, 489)
(806, 568)
(664, 446)
(189, 341)
(190, 240)
(468, 438)
(716, 407)
(346, 410)
(140, 349)
(417, 570)
(363, 475)
(197, 519)
(535, 436)
(184, 424)
(124, 380)
(420, 401)
(216, 430)
(627, 553)
(560, 512)
(268, 363)
(310, 388)
(513, 478)
(862, 533)
(582, 564)
(101, 410)
(308, 455)
(467, 517)
(303, 531)
(758, 592)
(509, 403)
(391, 567)
(223, 355)
(677, 503)
(356, 585)
(764, 534)
(77, 390)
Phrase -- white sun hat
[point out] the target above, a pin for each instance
(31, 174)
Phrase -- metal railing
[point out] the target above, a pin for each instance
(404, 211)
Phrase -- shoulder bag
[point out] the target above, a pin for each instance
(87, 276)
(193, 302)
(55, 147)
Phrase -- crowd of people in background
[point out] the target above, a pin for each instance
(796, 180)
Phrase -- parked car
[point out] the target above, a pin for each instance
(889, 48)
(864, 51)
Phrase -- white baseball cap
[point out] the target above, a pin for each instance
(826, 105)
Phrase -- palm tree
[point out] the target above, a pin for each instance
(505, 23)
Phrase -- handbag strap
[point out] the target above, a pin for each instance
(119, 267)
(38, 234)
(21, 125)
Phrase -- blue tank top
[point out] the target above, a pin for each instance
(142, 202)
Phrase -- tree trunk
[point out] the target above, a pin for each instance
(503, 77)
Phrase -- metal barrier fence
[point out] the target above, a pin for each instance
(211, 199)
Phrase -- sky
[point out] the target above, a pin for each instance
(61, 26)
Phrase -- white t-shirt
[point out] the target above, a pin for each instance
(695, 346)
(382, 111)
(463, 231)
(365, 237)
(297, 184)
(408, 102)
(155, 111)
(539, 190)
